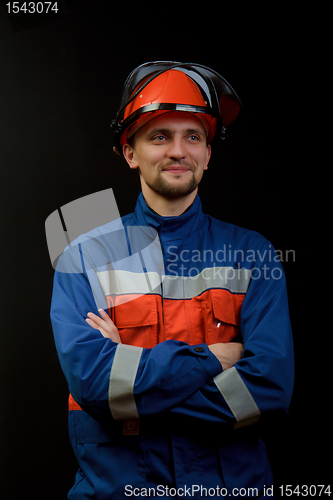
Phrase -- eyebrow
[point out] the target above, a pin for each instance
(168, 131)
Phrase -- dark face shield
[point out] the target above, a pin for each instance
(222, 101)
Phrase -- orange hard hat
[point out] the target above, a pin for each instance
(155, 88)
(171, 87)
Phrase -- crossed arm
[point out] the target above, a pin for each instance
(227, 353)
(226, 382)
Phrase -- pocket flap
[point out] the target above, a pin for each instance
(141, 311)
(227, 306)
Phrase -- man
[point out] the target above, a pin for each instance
(192, 343)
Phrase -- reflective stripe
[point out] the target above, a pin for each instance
(122, 378)
(115, 282)
(125, 282)
(237, 396)
(187, 287)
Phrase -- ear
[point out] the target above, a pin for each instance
(130, 157)
(208, 155)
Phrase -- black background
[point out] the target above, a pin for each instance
(60, 82)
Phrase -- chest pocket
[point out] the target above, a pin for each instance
(137, 321)
(219, 320)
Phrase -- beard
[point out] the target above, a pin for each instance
(161, 186)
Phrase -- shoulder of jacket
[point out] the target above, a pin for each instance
(236, 234)
(94, 246)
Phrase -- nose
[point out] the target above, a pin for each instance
(176, 150)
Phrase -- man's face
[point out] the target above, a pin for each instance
(171, 153)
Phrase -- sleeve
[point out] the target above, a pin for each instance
(261, 383)
(129, 381)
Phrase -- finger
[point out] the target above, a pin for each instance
(107, 330)
(92, 323)
(109, 323)
(105, 316)
(97, 327)
(106, 327)
(102, 319)
(97, 319)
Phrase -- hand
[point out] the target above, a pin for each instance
(227, 353)
(105, 325)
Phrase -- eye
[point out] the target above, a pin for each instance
(193, 138)
(158, 138)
